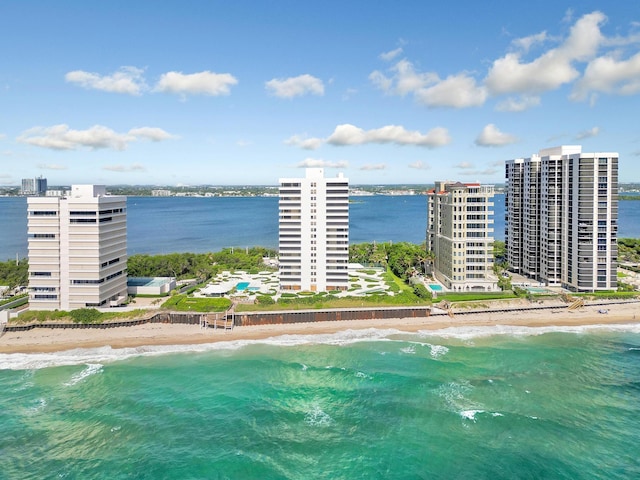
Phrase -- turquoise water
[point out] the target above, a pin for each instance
(537, 290)
(435, 287)
(146, 281)
(241, 286)
(496, 403)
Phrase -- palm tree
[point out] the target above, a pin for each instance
(430, 257)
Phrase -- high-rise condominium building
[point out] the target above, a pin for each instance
(314, 232)
(34, 186)
(460, 234)
(77, 249)
(561, 212)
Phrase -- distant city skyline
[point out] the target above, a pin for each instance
(246, 93)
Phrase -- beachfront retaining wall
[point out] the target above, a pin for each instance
(292, 316)
(306, 316)
(243, 319)
(160, 317)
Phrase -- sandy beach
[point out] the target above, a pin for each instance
(52, 340)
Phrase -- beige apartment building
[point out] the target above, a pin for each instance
(77, 249)
(460, 234)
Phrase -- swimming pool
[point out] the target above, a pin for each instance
(242, 286)
(537, 290)
(435, 287)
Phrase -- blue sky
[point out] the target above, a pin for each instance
(246, 92)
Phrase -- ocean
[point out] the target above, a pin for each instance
(490, 402)
(184, 224)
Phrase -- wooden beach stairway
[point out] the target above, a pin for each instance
(446, 306)
(225, 321)
(574, 303)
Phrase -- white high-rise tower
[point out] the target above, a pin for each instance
(314, 232)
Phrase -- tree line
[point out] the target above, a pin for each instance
(13, 274)
(198, 265)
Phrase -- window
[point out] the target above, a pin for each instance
(45, 297)
(43, 213)
(42, 235)
(83, 213)
(82, 220)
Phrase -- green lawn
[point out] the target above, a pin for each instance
(475, 296)
(182, 303)
(82, 315)
(327, 302)
(609, 295)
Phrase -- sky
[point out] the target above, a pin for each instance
(246, 92)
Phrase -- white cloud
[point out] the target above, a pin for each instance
(552, 69)
(463, 165)
(243, 143)
(350, 92)
(457, 91)
(61, 137)
(492, 137)
(2, 136)
(518, 105)
(320, 163)
(205, 83)
(592, 132)
(419, 165)
(303, 142)
(609, 75)
(376, 166)
(388, 56)
(381, 81)
(295, 86)
(51, 166)
(135, 167)
(406, 79)
(151, 133)
(526, 43)
(514, 73)
(127, 80)
(568, 15)
(347, 134)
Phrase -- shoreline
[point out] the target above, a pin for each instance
(47, 340)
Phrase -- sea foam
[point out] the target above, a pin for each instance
(469, 333)
(101, 355)
(91, 369)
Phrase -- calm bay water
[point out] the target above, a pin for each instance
(165, 225)
(475, 403)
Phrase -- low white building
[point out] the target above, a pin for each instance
(150, 285)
